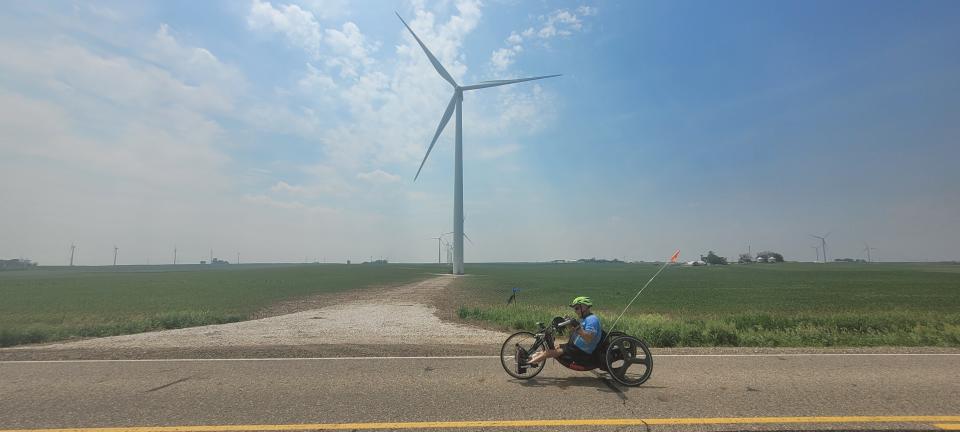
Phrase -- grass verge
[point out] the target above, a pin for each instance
(776, 305)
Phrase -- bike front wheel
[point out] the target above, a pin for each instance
(516, 350)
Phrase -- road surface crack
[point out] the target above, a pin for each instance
(167, 385)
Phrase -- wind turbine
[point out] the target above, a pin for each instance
(438, 247)
(823, 244)
(464, 236)
(449, 254)
(115, 249)
(867, 249)
(456, 103)
(817, 248)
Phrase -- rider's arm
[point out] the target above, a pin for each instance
(585, 334)
(589, 329)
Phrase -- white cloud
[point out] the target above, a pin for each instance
(350, 49)
(104, 12)
(299, 26)
(560, 22)
(117, 142)
(119, 116)
(284, 187)
(325, 179)
(504, 57)
(587, 10)
(327, 9)
(379, 176)
(316, 81)
(193, 64)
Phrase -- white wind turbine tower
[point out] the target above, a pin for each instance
(823, 244)
(867, 249)
(438, 247)
(456, 103)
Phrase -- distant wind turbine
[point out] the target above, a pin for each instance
(464, 236)
(438, 246)
(823, 244)
(449, 249)
(115, 249)
(817, 248)
(867, 249)
(456, 103)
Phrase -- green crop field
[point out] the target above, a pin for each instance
(784, 304)
(788, 304)
(48, 304)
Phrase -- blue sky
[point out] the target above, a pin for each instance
(286, 131)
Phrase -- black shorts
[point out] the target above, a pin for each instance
(576, 355)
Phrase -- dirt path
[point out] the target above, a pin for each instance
(402, 315)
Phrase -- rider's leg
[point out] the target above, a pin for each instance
(539, 356)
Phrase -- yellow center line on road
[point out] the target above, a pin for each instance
(945, 420)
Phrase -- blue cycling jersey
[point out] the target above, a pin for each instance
(590, 324)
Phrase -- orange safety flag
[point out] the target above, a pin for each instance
(675, 255)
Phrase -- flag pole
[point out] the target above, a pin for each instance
(673, 259)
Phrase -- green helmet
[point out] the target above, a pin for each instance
(581, 301)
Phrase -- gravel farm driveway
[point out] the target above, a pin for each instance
(399, 320)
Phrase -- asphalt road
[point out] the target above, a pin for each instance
(287, 394)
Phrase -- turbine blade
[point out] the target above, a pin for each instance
(443, 123)
(486, 84)
(436, 63)
(468, 238)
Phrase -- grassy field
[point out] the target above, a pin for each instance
(790, 304)
(787, 304)
(51, 303)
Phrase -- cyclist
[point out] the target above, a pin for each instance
(584, 337)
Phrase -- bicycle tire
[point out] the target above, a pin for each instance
(508, 355)
(621, 356)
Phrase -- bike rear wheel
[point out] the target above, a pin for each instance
(629, 360)
(516, 350)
